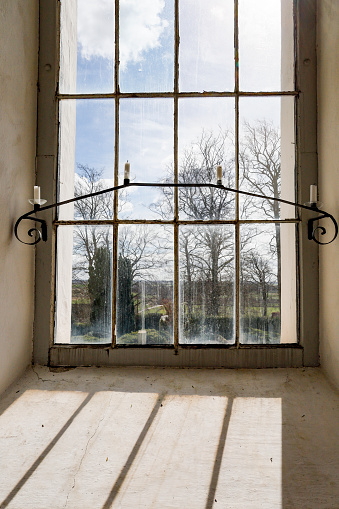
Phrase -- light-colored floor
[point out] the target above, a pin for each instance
(159, 438)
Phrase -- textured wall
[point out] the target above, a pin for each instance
(18, 79)
(328, 149)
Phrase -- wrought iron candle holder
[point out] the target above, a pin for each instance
(41, 233)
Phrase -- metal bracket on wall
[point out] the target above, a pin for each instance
(42, 235)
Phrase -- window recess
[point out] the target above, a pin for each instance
(177, 89)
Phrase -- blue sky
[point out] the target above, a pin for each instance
(146, 64)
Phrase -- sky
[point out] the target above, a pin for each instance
(206, 62)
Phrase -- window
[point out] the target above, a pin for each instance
(177, 88)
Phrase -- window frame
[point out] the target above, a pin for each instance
(279, 355)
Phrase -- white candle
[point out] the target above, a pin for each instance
(313, 193)
(219, 172)
(36, 194)
(127, 171)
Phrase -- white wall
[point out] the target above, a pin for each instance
(328, 150)
(68, 66)
(18, 79)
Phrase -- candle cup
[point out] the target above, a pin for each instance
(37, 202)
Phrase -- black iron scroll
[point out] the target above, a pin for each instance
(41, 234)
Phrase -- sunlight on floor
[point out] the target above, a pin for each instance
(251, 465)
(147, 438)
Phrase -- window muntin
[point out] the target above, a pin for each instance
(158, 153)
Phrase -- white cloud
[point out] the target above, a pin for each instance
(141, 27)
(218, 12)
(96, 28)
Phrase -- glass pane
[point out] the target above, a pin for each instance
(84, 283)
(146, 141)
(267, 156)
(266, 45)
(87, 46)
(86, 157)
(206, 141)
(146, 46)
(268, 284)
(206, 53)
(145, 285)
(206, 284)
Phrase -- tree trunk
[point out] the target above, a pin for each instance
(278, 247)
(264, 297)
(189, 289)
(213, 297)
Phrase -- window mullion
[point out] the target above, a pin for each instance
(236, 129)
(176, 206)
(116, 174)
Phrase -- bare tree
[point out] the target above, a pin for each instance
(149, 255)
(207, 252)
(88, 239)
(189, 245)
(260, 165)
(89, 180)
(257, 271)
(139, 246)
(143, 247)
(199, 165)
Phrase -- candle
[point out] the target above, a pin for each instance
(127, 171)
(36, 194)
(219, 173)
(313, 194)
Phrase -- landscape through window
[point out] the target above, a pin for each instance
(177, 88)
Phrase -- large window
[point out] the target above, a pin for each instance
(177, 88)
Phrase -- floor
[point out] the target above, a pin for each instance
(135, 438)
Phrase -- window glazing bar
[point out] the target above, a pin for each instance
(151, 95)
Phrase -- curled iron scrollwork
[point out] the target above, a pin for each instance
(39, 234)
(313, 231)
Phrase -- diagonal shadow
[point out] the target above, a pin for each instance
(118, 483)
(43, 455)
(219, 455)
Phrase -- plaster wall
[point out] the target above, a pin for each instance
(328, 150)
(18, 80)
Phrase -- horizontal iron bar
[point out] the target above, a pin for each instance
(43, 234)
(171, 222)
(169, 185)
(152, 95)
